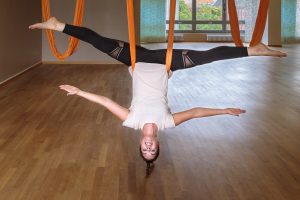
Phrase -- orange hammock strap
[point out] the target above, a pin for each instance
(73, 42)
(171, 35)
(131, 32)
(259, 25)
(260, 22)
(234, 23)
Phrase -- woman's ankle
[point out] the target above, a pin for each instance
(60, 26)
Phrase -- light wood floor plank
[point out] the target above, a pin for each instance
(54, 146)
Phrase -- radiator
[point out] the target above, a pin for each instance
(200, 37)
(219, 38)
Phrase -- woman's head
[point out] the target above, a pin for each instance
(149, 145)
(149, 162)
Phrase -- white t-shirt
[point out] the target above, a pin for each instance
(149, 103)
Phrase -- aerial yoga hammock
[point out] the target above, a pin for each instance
(234, 24)
(73, 42)
(259, 25)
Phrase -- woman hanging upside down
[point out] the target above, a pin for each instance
(149, 109)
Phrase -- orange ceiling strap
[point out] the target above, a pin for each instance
(170, 35)
(234, 23)
(259, 25)
(260, 22)
(131, 32)
(73, 42)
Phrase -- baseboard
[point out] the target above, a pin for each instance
(80, 63)
(20, 73)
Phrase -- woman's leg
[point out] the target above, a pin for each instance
(114, 48)
(191, 58)
(117, 49)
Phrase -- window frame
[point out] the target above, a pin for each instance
(194, 22)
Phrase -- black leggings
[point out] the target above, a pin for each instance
(182, 58)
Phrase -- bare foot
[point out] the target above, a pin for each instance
(52, 24)
(263, 50)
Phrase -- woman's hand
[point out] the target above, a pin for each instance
(234, 111)
(70, 89)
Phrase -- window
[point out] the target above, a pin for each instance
(205, 16)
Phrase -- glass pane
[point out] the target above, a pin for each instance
(240, 8)
(209, 27)
(209, 9)
(183, 10)
(181, 27)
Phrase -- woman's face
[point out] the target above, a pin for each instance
(149, 143)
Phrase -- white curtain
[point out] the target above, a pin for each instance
(250, 18)
(153, 21)
(298, 21)
(290, 20)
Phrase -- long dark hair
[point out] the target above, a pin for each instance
(150, 164)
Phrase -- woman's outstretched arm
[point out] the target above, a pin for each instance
(112, 106)
(204, 112)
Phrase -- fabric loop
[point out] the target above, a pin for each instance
(73, 42)
(259, 25)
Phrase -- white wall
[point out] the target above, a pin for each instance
(19, 47)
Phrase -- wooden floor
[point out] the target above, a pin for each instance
(58, 147)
